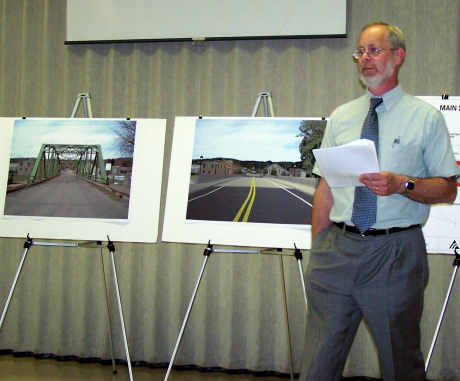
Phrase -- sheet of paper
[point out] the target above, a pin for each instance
(342, 165)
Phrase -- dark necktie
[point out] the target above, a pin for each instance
(365, 203)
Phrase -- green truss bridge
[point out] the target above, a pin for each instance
(85, 160)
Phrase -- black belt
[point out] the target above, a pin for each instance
(353, 229)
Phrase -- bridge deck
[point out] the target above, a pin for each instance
(65, 196)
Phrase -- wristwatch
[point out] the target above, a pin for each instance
(409, 185)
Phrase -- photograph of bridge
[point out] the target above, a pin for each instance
(251, 170)
(70, 168)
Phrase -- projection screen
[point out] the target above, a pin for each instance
(150, 20)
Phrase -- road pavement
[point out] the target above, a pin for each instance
(66, 196)
(251, 199)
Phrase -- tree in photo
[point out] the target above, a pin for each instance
(312, 132)
(126, 131)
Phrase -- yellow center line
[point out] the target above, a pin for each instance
(249, 208)
(251, 196)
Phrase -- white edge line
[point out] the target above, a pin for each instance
(206, 194)
(300, 198)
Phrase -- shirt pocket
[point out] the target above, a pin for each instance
(402, 156)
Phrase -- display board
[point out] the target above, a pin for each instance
(443, 225)
(81, 179)
(240, 181)
(130, 20)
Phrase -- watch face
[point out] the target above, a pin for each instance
(410, 184)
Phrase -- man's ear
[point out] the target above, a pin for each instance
(400, 55)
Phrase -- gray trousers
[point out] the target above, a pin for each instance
(381, 279)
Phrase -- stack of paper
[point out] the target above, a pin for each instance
(342, 165)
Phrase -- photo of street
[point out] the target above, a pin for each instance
(70, 168)
(250, 170)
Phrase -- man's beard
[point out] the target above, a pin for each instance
(376, 80)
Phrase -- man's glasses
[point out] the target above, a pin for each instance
(372, 51)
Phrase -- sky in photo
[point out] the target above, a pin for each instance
(248, 139)
(30, 134)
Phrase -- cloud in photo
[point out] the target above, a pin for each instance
(29, 135)
(248, 139)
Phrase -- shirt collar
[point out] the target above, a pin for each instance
(390, 98)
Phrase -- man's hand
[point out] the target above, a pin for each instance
(429, 190)
(322, 204)
(383, 183)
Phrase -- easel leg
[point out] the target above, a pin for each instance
(120, 310)
(27, 245)
(286, 314)
(441, 317)
(302, 281)
(85, 99)
(298, 256)
(109, 319)
(207, 252)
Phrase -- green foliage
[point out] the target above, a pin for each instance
(312, 132)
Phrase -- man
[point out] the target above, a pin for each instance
(376, 270)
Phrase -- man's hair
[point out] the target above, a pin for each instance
(395, 35)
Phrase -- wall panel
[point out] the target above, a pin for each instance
(238, 319)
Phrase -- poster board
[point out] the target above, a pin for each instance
(138, 224)
(443, 225)
(238, 181)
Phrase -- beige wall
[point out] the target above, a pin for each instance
(55, 308)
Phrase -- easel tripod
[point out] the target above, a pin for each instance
(456, 264)
(206, 253)
(29, 242)
(265, 99)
